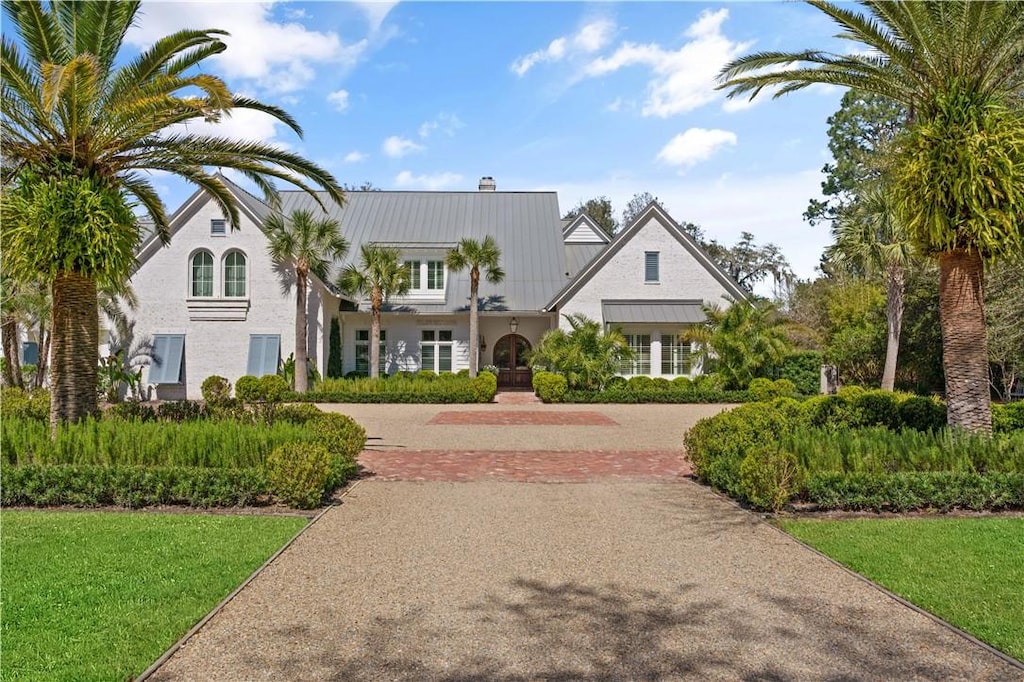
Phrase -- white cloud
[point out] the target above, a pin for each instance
(339, 98)
(397, 147)
(241, 125)
(355, 157)
(695, 145)
(274, 56)
(446, 124)
(590, 38)
(435, 181)
(684, 79)
(376, 11)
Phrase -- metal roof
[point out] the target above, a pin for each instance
(578, 255)
(526, 226)
(651, 312)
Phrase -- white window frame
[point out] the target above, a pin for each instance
(245, 274)
(635, 366)
(680, 355)
(192, 275)
(422, 276)
(657, 267)
(365, 343)
(436, 344)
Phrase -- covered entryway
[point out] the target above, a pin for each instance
(510, 354)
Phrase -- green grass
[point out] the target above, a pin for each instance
(969, 572)
(99, 596)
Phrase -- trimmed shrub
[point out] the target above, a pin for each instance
(484, 387)
(615, 383)
(640, 383)
(17, 403)
(769, 477)
(762, 390)
(908, 491)
(216, 390)
(247, 389)
(1008, 417)
(426, 374)
(922, 414)
(827, 411)
(784, 388)
(550, 387)
(464, 372)
(273, 388)
(339, 433)
(791, 407)
(683, 383)
(876, 408)
(181, 411)
(297, 414)
(655, 395)
(662, 384)
(709, 382)
(299, 473)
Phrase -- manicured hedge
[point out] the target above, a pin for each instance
(423, 388)
(656, 395)
(766, 454)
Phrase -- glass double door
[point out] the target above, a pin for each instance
(510, 355)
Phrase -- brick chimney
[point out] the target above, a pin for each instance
(487, 184)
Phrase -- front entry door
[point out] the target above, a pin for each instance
(510, 358)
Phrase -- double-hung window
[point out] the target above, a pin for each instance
(640, 344)
(363, 351)
(436, 350)
(675, 355)
(413, 266)
(435, 275)
(234, 275)
(202, 275)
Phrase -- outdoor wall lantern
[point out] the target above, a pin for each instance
(483, 343)
(513, 325)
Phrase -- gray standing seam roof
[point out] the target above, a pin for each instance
(526, 226)
(652, 312)
(577, 256)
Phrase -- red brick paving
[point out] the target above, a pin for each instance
(536, 466)
(523, 418)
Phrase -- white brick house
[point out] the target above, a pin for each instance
(213, 303)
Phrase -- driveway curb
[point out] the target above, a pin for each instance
(145, 675)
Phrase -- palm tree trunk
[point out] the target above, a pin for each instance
(75, 332)
(12, 356)
(375, 304)
(964, 347)
(474, 325)
(301, 385)
(44, 356)
(894, 321)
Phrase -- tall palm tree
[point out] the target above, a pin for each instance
(958, 170)
(870, 237)
(476, 256)
(310, 245)
(80, 131)
(379, 276)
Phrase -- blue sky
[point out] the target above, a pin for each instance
(587, 99)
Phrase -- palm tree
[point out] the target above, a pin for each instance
(958, 170)
(587, 356)
(476, 256)
(870, 237)
(81, 130)
(378, 276)
(310, 245)
(744, 341)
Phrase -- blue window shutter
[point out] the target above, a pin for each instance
(651, 266)
(30, 353)
(264, 352)
(168, 351)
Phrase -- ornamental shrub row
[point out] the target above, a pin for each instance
(766, 454)
(444, 388)
(657, 395)
(550, 387)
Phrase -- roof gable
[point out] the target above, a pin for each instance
(624, 236)
(583, 230)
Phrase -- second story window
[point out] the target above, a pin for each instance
(651, 267)
(234, 274)
(202, 275)
(435, 275)
(426, 278)
(413, 266)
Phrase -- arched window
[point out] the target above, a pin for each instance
(234, 274)
(202, 274)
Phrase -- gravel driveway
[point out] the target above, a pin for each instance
(590, 581)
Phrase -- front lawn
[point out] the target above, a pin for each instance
(99, 596)
(968, 572)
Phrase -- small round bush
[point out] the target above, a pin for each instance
(1008, 417)
(769, 478)
(851, 392)
(876, 408)
(784, 388)
(484, 387)
(339, 433)
(550, 387)
(791, 407)
(640, 383)
(683, 383)
(216, 390)
(299, 474)
(662, 384)
(709, 382)
(297, 414)
(247, 389)
(464, 372)
(426, 375)
(762, 390)
(828, 411)
(615, 383)
(922, 414)
(273, 388)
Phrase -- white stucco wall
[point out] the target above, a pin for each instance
(218, 346)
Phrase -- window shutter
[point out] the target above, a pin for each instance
(264, 353)
(651, 266)
(168, 351)
(218, 226)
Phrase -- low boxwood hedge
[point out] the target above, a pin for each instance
(656, 395)
(445, 388)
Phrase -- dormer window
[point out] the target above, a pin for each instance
(218, 227)
(435, 275)
(426, 278)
